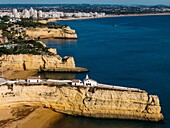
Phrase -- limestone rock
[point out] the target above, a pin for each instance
(52, 50)
(35, 62)
(44, 33)
(86, 101)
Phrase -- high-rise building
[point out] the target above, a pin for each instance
(40, 14)
(35, 14)
(25, 13)
(15, 13)
(31, 11)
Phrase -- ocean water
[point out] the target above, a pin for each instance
(127, 51)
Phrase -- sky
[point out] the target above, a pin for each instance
(121, 2)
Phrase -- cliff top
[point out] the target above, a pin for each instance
(25, 47)
(34, 24)
(65, 84)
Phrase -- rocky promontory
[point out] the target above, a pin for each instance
(99, 102)
(23, 62)
(45, 32)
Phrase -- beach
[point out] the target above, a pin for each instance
(107, 16)
(27, 117)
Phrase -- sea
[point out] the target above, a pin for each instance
(128, 51)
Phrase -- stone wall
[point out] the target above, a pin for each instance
(98, 102)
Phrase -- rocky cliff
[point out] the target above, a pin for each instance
(98, 102)
(36, 62)
(44, 33)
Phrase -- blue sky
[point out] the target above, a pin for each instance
(124, 2)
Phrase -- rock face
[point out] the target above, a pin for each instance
(52, 50)
(98, 102)
(35, 62)
(44, 33)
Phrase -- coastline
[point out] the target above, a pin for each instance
(108, 16)
(76, 100)
(40, 111)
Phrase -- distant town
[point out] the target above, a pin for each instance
(18, 21)
(76, 11)
(39, 14)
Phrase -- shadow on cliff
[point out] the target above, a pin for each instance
(58, 76)
(60, 41)
(61, 76)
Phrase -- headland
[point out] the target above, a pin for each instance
(22, 50)
(87, 98)
(46, 33)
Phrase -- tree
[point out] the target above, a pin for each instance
(8, 34)
(5, 18)
(3, 26)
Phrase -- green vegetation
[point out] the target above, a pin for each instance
(8, 34)
(3, 23)
(5, 18)
(17, 41)
(3, 26)
(12, 29)
(31, 23)
(24, 47)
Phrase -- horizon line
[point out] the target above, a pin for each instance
(86, 4)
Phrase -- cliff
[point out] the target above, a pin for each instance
(44, 33)
(38, 62)
(98, 102)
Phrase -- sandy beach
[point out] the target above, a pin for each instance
(28, 117)
(107, 16)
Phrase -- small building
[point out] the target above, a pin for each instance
(86, 82)
(1, 32)
(77, 82)
(89, 82)
(3, 81)
(34, 79)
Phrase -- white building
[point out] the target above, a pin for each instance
(35, 14)
(3, 81)
(89, 82)
(14, 11)
(1, 32)
(31, 11)
(25, 13)
(77, 82)
(86, 82)
(40, 14)
(34, 80)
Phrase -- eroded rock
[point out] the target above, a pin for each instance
(44, 33)
(98, 102)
